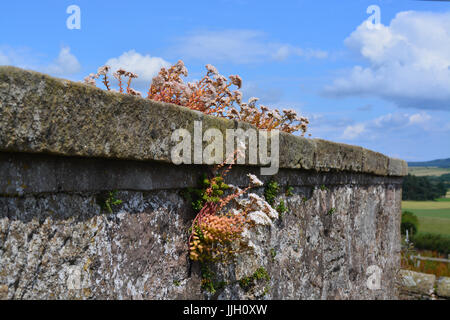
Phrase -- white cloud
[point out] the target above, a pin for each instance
(352, 132)
(412, 135)
(65, 64)
(19, 57)
(285, 51)
(145, 66)
(239, 46)
(409, 61)
(390, 122)
(419, 118)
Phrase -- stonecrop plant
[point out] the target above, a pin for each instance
(214, 94)
(216, 231)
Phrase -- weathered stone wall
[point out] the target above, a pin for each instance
(423, 286)
(64, 146)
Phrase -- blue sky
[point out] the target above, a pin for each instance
(385, 88)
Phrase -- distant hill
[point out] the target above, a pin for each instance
(440, 163)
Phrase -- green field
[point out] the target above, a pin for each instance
(427, 171)
(434, 216)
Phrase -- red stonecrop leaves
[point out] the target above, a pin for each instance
(216, 236)
(216, 232)
(211, 95)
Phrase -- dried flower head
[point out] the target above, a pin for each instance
(103, 70)
(211, 69)
(134, 92)
(252, 101)
(181, 68)
(236, 80)
(238, 96)
(90, 80)
(131, 75)
(121, 72)
(263, 108)
(254, 181)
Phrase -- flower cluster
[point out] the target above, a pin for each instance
(168, 86)
(254, 181)
(265, 118)
(216, 232)
(120, 76)
(213, 94)
(216, 237)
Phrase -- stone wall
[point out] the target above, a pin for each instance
(423, 286)
(65, 146)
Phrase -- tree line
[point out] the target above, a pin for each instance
(425, 188)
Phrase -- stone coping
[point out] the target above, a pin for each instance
(423, 284)
(42, 114)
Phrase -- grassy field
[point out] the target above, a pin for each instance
(434, 216)
(427, 171)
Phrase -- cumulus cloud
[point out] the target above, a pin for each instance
(239, 46)
(388, 123)
(406, 135)
(327, 125)
(145, 66)
(19, 57)
(408, 61)
(352, 132)
(65, 64)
